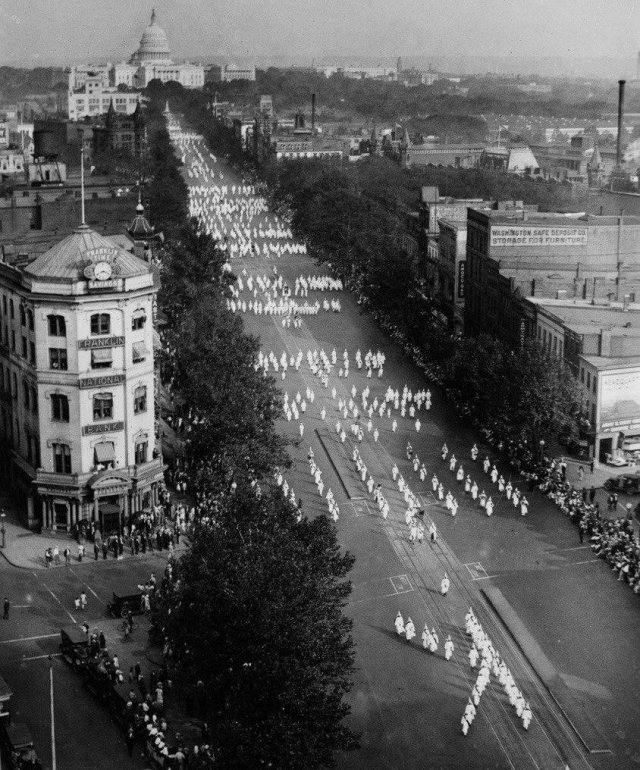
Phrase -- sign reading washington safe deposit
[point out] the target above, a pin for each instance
(538, 236)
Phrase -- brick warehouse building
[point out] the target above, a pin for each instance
(514, 256)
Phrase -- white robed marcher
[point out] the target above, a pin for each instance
(448, 648)
(409, 629)
(399, 624)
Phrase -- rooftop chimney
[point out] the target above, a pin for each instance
(620, 115)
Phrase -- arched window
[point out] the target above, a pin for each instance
(100, 323)
(140, 399)
(103, 406)
(57, 326)
(61, 458)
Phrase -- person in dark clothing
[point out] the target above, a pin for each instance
(7, 605)
(592, 494)
(105, 549)
(131, 740)
(96, 551)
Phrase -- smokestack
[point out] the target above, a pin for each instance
(313, 114)
(620, 115)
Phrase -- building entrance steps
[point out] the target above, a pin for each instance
(570, 705)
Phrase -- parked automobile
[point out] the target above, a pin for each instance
(17, 746)
(616, 461)
(74, 645)
(625, 483)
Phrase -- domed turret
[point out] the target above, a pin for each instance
(154, 46)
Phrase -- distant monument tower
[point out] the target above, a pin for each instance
(399, 64)
(638, 67)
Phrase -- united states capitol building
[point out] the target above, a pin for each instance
(91, 87)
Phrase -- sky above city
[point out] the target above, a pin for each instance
(44, 32)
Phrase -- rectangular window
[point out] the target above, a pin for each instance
(13, 340)
(140, 400)
(58, 358)
(57, 326)
(100, 323)
(61, 458)
(141, 452)
(588, 379)
(103, 406)
(25, 348)
(59, 407)
(32, 353)
(138, 321)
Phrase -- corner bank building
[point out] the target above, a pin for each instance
(77, 384)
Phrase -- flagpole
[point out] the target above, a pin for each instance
(82, 184)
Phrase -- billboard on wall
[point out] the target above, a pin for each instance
(620, 400)
(525, 235)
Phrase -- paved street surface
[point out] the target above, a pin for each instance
(406, 703)
(42, 602)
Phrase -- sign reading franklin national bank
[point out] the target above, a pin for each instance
(101, 382)
(104, 427)
(100, 342)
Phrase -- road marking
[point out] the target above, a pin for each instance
(477, 571)
(39, 657)
(576, 548)
(89, 587)
(401, 583)
(486, 577)
(28, 638)
(360, 507)
(587, 561)
(20, 606)
(73, 620)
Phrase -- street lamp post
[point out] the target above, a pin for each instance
(53, 724)
(3, 530)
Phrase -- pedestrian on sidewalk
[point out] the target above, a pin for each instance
(56, 555)
(67, 556)
(76, 603)
(6, 607)
(48, 556)
(83, 600)
(80, 551)
(96, 550)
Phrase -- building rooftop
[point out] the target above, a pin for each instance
(66, 260)
(593, 317)
(613, 363)
(558, 219)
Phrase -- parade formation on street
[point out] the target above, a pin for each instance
(364, 440)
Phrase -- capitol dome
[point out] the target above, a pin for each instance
(154, 46)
